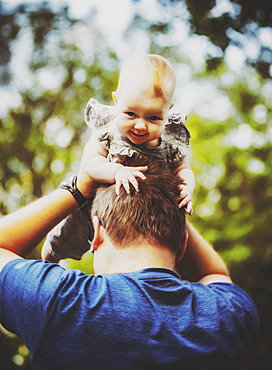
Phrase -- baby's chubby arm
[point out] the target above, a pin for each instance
(187, 185)
(100, 169)
(96, 164)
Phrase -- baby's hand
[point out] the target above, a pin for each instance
(186, 199)
(127, 175)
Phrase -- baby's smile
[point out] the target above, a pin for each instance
(138, 135)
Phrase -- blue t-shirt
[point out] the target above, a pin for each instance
(139, 320)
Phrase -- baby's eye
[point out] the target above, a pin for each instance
(155, 118)
(131, 114)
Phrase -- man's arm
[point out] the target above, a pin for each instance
(22, 231)
(201, 262)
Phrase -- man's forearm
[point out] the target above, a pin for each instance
(24, 229)
(200, 258)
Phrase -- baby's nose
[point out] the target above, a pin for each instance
(140, 124)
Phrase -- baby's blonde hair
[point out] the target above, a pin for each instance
(150, 70)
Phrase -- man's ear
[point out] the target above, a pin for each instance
(114, 97)
(98, 237)
(182, 248)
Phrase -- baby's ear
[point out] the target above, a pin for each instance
(113, 94)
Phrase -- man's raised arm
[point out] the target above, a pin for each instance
(201, 262)
(23, 230)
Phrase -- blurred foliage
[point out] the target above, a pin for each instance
(223, 29)
(70, 60)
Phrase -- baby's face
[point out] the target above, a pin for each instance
(141, 117)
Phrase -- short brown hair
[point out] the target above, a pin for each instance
(152, 214)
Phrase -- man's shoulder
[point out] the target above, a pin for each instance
(39, 275)
(227, 291)
(228, 301)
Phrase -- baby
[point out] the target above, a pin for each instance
(138, 126)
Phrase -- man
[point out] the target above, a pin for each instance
(135, 313)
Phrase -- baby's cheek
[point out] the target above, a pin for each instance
(121, 124)
(158, 130)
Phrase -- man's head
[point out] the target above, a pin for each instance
(143, 98)
(151, 215)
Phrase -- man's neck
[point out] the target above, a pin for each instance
(134, 258)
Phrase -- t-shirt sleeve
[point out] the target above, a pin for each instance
(238, 313)
(236, 297)
(27, 291)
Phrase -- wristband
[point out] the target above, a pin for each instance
(70, 185)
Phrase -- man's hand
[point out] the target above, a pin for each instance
(126, 175)
(186, 199)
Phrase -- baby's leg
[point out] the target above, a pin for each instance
(71, 238)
